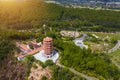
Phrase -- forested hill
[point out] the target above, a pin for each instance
(21, 14)
(33, 14)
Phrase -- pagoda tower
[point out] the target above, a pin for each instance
(48, 47)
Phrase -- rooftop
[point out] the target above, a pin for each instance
(35, 51)
(23, 46)
(47, 39)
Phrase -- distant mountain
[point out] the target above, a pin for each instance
(87, 0)
(112, 4)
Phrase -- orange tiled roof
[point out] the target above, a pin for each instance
(47, 39)
(33, 42)
(23, 46)
(35, 51)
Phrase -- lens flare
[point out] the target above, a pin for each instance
(21, 13)
(12, 0)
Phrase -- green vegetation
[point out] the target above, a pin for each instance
(29, 61)
(6, 48)
(35, 66)
(58, 73)
(27, 19)
(110, 36)
(33, 14)
(44, 78)
(85, 61)
(16, 35)
(83, 19)
(64, 74)
(21, 15)
(115, 56)
(102, 43)
(49, 63)
(41, 63)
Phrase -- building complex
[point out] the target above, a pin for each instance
(40, 51)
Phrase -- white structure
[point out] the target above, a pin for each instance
(20, 58)
(40, 56)
(79, 42)
(95, 36)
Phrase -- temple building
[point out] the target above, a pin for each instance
(47, 52)
(41, 52)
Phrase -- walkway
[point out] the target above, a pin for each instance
(115, 47)
(77, 73)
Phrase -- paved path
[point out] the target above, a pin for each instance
(79, 41)
(115, 47)
(76, 72)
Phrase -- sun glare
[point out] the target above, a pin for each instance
(12, 0)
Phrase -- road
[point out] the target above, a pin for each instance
(115, 47)
(76, 72)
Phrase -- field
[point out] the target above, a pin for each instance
(103, 43)
(115, 36)
(98, 41)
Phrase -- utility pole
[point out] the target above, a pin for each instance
(50, 28)
(44, 29)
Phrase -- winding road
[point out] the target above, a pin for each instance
(76, 72)
(115, 47)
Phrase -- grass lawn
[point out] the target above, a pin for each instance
(102, 45)
(112, 36)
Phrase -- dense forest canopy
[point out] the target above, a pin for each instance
(84, 18)
(33, 14)
(5, 48)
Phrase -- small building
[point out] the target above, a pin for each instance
(33, 44)
(24, 48)
(21, 57)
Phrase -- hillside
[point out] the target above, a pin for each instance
(33, 14)
(23, 21)
(21, 14)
